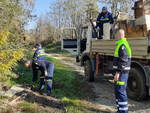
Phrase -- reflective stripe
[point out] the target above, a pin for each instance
(127, 68)
(41, 54)
(42, 76)
(34, 58)
(97, 21)
(123, 109)
(122, 103)
(104, 19)
(120, 82)
(48, 80)
(115, 67)
(42, 51)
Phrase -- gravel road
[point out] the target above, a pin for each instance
(104, 90)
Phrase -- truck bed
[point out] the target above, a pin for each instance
(139, 47)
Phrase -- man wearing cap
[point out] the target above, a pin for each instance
(103, 17)
(38, 55)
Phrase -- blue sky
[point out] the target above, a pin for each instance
(40, 8)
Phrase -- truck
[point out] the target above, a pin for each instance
(96, 56)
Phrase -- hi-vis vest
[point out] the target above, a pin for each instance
(118, 64)
(39, 55)
(119, 43)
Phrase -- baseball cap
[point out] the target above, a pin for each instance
(38, 44)
(104, 8)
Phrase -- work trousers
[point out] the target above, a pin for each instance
(120, 93)
(47, 80)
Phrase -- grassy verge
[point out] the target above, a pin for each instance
(55, 48)
(66, 85)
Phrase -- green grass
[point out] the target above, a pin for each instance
(27, 107)
(66, 85)
(65, 81)
(55, 48)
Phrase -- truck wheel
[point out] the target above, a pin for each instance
(136, 87)
(89, 74)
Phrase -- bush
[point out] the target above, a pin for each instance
(8, 57)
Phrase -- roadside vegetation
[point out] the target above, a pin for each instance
(67, 86)
(55, 47)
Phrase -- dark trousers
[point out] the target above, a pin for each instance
(100, 33)
(120, 93)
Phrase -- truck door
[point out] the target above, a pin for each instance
(69, 40)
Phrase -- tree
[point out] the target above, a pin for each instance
(45, 31)
(13, 16)
(73, 13)
(120, 5)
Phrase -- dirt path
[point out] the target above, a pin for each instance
(104, 90)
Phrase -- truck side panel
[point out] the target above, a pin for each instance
(139, 47)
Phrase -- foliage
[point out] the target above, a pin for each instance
(55, 47)
(8, 57)
(66, 86)
(27, 107)
(14, 14)
(45, 31)
(64, 13)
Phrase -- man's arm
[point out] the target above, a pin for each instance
(122, 58)
(35, 55)
(111, 19)
(98, 20)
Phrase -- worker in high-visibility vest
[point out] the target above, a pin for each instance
(121, 67)
(47, 70)
(38, 55)
(103, 17)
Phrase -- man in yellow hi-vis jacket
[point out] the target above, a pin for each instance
(121, 67)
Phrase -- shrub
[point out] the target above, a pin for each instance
(8, 57)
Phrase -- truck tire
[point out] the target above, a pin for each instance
(136, 87)
(89, 74)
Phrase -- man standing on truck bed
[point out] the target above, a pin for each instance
(103, 17)
(121, 67)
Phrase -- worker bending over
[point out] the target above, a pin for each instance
(103, 17)
(47, 70)
(121, 66)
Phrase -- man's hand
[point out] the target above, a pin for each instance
(34, 49)
(116, 77)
